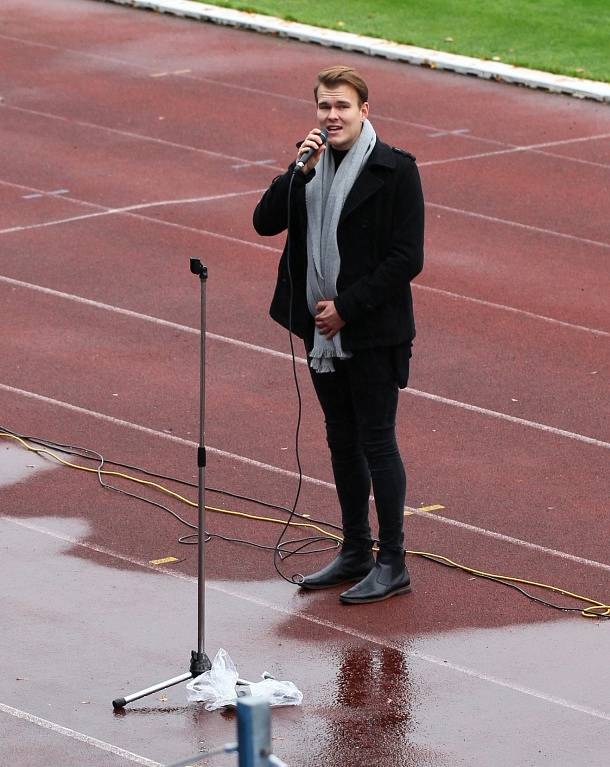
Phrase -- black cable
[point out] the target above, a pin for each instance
(278, 544)
(86, 453)
(281, 547)
(521, 590)
(93, 455)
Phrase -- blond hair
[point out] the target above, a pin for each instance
(337, 75)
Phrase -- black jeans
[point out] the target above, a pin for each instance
(359, 401)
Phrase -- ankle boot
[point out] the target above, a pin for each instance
(388, 578)
(349, 565)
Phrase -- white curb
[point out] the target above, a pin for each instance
(373, 46)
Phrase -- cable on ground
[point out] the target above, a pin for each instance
(594, 608)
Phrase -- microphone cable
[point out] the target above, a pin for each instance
(594, 608)
(296, 578)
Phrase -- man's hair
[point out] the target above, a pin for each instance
(337, 75)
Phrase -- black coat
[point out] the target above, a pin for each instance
(380, 238)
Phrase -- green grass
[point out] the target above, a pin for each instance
(570, 37)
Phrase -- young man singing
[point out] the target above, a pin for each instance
(355, 244)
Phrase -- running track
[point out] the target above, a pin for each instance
(132, 142)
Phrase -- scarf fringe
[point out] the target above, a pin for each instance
(322, 359)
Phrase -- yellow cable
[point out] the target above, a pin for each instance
(588, 612)
(163, 489)
(596, 608)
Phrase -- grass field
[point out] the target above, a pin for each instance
(569, 37)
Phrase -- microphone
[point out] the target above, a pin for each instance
(302, 161)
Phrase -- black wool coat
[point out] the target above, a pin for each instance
(380, 237)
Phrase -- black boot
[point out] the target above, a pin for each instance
(350, 564)
(388, 578)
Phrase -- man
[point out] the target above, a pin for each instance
(355, 243)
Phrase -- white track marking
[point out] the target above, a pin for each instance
(297, 99)
(505, 308)
(131, 134)
(508, 222)
(248, 162)
(511, 418)
(130, 209)
(301, 360)
(74, 734)
(512, 149)
(415, 286)
(157, 221)
(426, 657)
(293, 475)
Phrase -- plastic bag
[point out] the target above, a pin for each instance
(216, 687)
(277, 693)
(221, 686)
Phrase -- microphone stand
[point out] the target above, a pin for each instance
(199, 660)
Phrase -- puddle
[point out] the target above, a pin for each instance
(19, 465)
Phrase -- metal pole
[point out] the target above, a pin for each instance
(253, 732)
(201, 463)
(199, 660)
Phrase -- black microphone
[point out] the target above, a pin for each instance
(302, 161)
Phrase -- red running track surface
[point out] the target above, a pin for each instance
(134, 141)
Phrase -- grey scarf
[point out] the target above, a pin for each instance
(325, 196)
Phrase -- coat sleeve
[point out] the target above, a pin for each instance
(271, 214)
(404, 259)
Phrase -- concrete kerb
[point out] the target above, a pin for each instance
(371, 46)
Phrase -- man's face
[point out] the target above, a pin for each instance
(340, 112)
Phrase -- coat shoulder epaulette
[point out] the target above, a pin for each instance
(404, 153)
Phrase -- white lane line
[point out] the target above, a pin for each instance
(293, 475)
(566, 141)
(580, 160)
(162, 222)
(260, 246)
(463, 132)
(508, 222)
(511, 149)
(75, 735)
(272, 249)
(131, 134)
(426, 657)
(415, 285)
(494, 219)
(505, 308)
(301, 360)
(157, 221)
(511, 418)
(131, 208)
(254, 162)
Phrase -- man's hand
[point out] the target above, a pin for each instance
(313, 141)
(327, 319)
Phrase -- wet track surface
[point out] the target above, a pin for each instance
(131, 144)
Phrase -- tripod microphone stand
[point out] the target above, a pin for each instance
(199, 660)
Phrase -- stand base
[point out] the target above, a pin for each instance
(199, 664)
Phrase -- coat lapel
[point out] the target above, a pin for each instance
(370, 180)
(366, 184)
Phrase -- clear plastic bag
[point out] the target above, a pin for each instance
(221, 686)
(277, 693)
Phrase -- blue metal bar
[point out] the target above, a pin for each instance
(253, 732)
